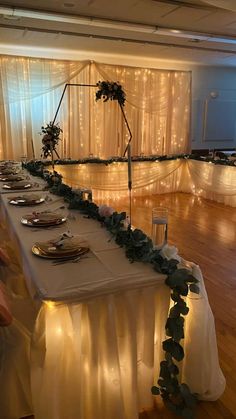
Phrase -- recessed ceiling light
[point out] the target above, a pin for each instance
(68, 4)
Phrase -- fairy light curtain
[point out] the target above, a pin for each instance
(157, 107)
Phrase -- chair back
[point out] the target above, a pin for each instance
(5, 313)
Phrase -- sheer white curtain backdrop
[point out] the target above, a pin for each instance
(157, 108)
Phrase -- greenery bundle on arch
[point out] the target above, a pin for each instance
(110, 90)
(51, 137)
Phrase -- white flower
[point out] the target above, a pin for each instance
(170, 252)
(126, 222)
(105, 211)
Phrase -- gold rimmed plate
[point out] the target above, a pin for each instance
(9, 178)
(43, 219)
(4, 172)
(59, 254)
(17, 185)
(25, 201)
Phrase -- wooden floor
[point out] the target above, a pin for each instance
(204, 232)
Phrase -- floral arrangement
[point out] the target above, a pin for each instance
(110, 90)
(51, 136)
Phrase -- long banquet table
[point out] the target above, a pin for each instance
(97, 341)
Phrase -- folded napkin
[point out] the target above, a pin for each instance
(64, 245)
(5, 314)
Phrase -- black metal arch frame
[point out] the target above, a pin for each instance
(128, 146)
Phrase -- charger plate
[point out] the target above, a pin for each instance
(17, 185)
(4, 171)
(43, 219)
(13, 177)
(26, 200)
(58, 254)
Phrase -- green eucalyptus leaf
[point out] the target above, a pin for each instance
(192, 279)
(184, 310)
(168, 358)
(177, 278)
(175, 311)
(194, 288)
(161, 382)
(182, 289)
(174, 348)
(174, 370)
(155, 390)
(175, 295)
(168, 266)
(164, 370)
(175, 328)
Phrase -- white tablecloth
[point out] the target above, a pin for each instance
(216, 182)
(97, 341)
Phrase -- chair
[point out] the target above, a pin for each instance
(220, 155)
(15, 394)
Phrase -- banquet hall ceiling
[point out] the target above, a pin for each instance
(186, 30)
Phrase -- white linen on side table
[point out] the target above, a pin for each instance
(97, 352)
(211, 181)
(201, 364)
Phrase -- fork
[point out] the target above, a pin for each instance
(73, 259)
(54, 227)
(68, 260)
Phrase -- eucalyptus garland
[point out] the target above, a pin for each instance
(139, 248)
(152, 158)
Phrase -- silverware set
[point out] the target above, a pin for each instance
(74, 259)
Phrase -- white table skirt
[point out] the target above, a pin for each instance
(99, 357)
(200, 178)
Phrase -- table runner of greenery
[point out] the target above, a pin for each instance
(152, 158)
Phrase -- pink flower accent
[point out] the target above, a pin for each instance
(105, 211)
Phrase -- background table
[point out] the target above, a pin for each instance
(211, 181)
